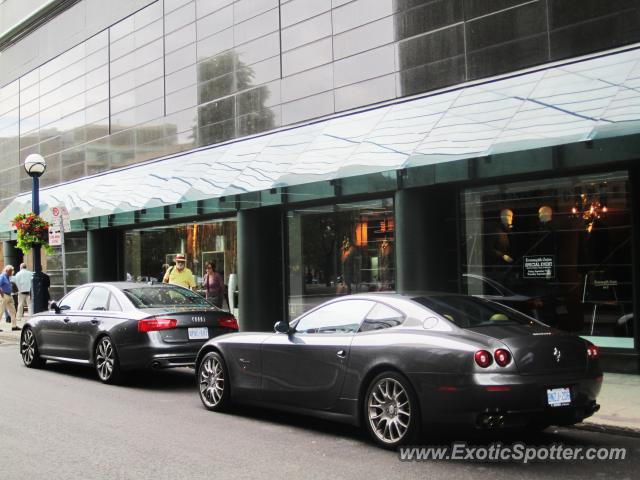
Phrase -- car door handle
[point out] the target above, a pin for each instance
(66, 320)
(341, 354)
(95, 321)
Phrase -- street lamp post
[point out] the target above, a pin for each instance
(35, 166)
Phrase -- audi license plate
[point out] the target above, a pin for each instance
(199, 333)
(558, 397)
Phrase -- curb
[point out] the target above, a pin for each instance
(608, 429)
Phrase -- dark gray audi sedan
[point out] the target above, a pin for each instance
(401, 363)
(123, 325)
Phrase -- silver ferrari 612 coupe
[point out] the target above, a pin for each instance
(401, 363)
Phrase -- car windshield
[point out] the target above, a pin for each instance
(467, 312)
(163, 296)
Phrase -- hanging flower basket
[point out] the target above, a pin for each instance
(32, 230)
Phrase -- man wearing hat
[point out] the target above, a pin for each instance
(180, 274)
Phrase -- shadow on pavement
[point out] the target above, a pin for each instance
(172, 379)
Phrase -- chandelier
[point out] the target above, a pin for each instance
(590, 208)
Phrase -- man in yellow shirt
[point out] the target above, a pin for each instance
(180, 274)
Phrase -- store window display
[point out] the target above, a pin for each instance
(149, 252)
(339, 250)
(563, 246)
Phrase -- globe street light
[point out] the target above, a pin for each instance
(35, 166)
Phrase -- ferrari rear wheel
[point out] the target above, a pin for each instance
(106, 361)
(29, 350)
(213, 382)
(391, 410)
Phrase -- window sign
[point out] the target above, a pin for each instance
(538, 266)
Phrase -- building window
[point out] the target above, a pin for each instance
(558, 250)
(339, 250)
(74, 269)
(149, 250)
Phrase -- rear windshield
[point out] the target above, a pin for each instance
(159, 296)
(468, 311)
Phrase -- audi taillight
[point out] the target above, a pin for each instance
(593, 352)
(483, 358)
(228, 321)
(154, 324)
(502, 356)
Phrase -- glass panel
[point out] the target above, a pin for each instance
(363, 38)
(114, 305)
(180, 17)
(426, 16)
(381, 316)
(74, 300)
(180, 38)
(558, 250)
(76, 263)
(337, 318)
(256, 27)
(245, 9)
(300, 10)
(359, 13)
(306, 57)
(149, 252)
(205, 7)
(98, 299)
(306, 32)
(338, 250)
(211, 24)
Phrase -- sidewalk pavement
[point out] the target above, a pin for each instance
(619, 399)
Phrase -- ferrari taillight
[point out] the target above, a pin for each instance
(154, 324)
(502, 356)
(228, 321)
(593, 352)
(483, 358)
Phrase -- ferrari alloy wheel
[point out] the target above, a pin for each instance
(391, 410)
(29, 350)
(213, 382)
(106, 361)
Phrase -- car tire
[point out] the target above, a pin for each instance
(29, 350)
(213, 382)
(106, 361)
(391, 412)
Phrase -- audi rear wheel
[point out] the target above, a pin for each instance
(106, 361)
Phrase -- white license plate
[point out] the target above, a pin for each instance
(198, 333)
(558, 397)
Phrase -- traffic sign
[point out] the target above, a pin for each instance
(55, 236)
(61, 215)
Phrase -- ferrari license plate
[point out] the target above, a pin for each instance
(199, 333)
(558, 397)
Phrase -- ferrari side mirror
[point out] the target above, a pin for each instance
(282, 327)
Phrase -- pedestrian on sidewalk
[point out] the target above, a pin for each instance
(23, 281)
(213, 285)
(179, 274)
(7, 305)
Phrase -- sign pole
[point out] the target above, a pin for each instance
(64, 256)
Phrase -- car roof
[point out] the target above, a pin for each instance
(400, 295)
(123, 285)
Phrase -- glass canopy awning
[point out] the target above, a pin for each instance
(592, 98)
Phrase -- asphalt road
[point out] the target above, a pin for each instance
(62, 423)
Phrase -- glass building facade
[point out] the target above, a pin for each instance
(317, 148)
